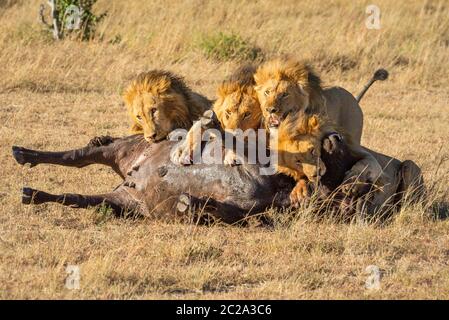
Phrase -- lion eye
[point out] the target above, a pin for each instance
(153, 111)
(246, 115)
(285, 95)
(267, 93)
(139, 118)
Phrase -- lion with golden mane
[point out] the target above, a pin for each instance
(285, 86)
(159, 102)
(236, 107)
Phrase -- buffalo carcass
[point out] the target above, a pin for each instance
(154, 186)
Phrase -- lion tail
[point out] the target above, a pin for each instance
(380, 74)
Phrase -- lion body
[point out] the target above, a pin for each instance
(341, 106)
(236, 108)
(159, 102)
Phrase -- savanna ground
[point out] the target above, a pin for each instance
(57, 96)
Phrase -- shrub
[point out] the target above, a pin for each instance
(224, 46)
(73, 17)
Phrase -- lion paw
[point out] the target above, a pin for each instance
(300, 193)
(232, 159)
(181, 155)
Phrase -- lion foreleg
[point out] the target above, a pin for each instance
(186, 150)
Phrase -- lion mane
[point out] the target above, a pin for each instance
(240, 84)
(300, 72)
(183, 105)
(310, 130)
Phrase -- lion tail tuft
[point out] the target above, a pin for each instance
(380, 74)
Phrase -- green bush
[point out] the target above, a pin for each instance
(228, 46)
(88, 21)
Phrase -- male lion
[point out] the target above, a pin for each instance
(159, 102)
(236, 107)
(299, 150)
(287, 87)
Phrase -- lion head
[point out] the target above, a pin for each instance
(285, 86)
(299, 147)
(159, 102)
(237, 106)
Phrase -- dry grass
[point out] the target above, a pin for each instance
(58, 95)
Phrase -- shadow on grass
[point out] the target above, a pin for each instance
(440, 210)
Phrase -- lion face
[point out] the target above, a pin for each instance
(302, 155)
(279, 98)
(238, 111)
(299, 147)
(157, 103)
(286, 86)
(154, 114)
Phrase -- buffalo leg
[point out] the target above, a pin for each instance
(411, 183)
(100, 150)
(120, 203)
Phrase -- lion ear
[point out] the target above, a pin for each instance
(313, 124)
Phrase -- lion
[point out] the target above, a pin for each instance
(298, 149)
(237, 108)
(300, 157)
(286, 87)
(159, 102)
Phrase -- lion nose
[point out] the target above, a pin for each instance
(272, 110)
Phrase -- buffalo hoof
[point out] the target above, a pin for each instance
(356, 186)
(129, 184)
(28, 195)
(23, 156)
(332, 143)
(184, 203)
(100, 141)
